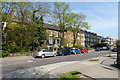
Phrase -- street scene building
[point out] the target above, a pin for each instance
(64, 40)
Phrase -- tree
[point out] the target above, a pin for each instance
(60, 14)
(76, 23)
(117, 42)
(23, 29)
(39, 32)
(41, 9)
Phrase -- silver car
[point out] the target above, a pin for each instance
(43, 53)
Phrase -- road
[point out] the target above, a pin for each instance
(22, 62)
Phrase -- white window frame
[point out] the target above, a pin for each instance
(56, 34)
(50, 41)
(50, 33)
(65, 36)
(55, 41)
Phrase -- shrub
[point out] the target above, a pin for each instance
(5, 53)
(88, 46)
(10, 48)
(79, 46)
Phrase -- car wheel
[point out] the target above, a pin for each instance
(63, 54)
(54, 55)
(75, 53)
(43, 56)
(69, 53)
(34, 56)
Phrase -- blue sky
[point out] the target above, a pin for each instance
(102, 16)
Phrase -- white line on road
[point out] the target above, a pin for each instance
(29, 61)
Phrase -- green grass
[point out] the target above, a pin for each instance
(73, 75)
(93, 60)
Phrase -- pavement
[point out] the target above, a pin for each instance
(95, 69)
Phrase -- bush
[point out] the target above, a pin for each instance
(23, 49)
(88, 46)
(5, 53)
(10, 48)
(79, 46)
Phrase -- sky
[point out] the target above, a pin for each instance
(102, 16)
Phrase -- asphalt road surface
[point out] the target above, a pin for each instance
(22, 62)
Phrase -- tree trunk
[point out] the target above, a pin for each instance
(74, 36)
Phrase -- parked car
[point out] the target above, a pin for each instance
(43, 53)
(64, 52)
(75, 50)
(84, 50)
(114, 50)
(105, 48)
(98, 49)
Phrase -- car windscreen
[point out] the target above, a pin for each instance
(61, 50)
(45, 50)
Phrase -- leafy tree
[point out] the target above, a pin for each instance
(60, 14)
(39, 32)
(118, 42)
(76, 23)
(22, 30)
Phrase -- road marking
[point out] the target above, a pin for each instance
(29, 61)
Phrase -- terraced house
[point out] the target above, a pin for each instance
(81, 38)
(53, 37)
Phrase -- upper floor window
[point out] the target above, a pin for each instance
(50, 33)
(56, 34)
(69, 36)
(88, 35)
(78, 38)
(61, 34)
(65, 36)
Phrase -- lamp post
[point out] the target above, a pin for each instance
(118, 56)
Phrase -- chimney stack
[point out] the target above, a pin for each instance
(12, 15)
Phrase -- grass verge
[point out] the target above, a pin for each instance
(73, 75)
(93, 60)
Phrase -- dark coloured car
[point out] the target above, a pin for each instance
(98, 49)
(64, 52)
(114, 50)
(105, 48)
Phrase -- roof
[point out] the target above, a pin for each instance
(52, 27)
